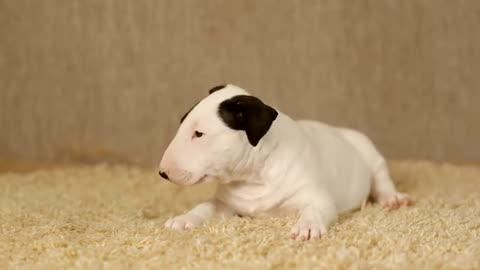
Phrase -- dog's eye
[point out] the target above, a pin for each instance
(198, 134)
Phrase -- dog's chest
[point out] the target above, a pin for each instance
(251, 199)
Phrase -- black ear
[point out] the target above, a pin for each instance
(216, 88)
(247, 113)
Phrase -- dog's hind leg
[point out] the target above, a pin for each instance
(382, 190)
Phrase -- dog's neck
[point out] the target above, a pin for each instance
(266, 161)
(247, 166)
(263, 177)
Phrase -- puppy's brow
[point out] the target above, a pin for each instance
(186, 114)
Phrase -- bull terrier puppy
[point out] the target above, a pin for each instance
(267, 163)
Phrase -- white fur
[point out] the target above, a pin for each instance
(303, 167)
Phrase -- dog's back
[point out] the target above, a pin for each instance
(360, 142)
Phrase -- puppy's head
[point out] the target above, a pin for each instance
(215, 134)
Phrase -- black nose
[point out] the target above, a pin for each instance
(163, 174)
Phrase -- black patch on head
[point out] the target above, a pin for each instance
(247, 113)
(186, 114)
(216, 88)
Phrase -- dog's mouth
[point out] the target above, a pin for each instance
(204, 179)
(200, 180)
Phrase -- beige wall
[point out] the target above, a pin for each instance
(88, 77)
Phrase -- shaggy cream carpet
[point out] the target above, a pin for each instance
(112, 217)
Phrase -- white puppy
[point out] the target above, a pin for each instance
(267, 163)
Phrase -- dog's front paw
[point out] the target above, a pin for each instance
(307, 229)
(183, 222)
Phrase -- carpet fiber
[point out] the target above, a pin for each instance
(111, 216)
